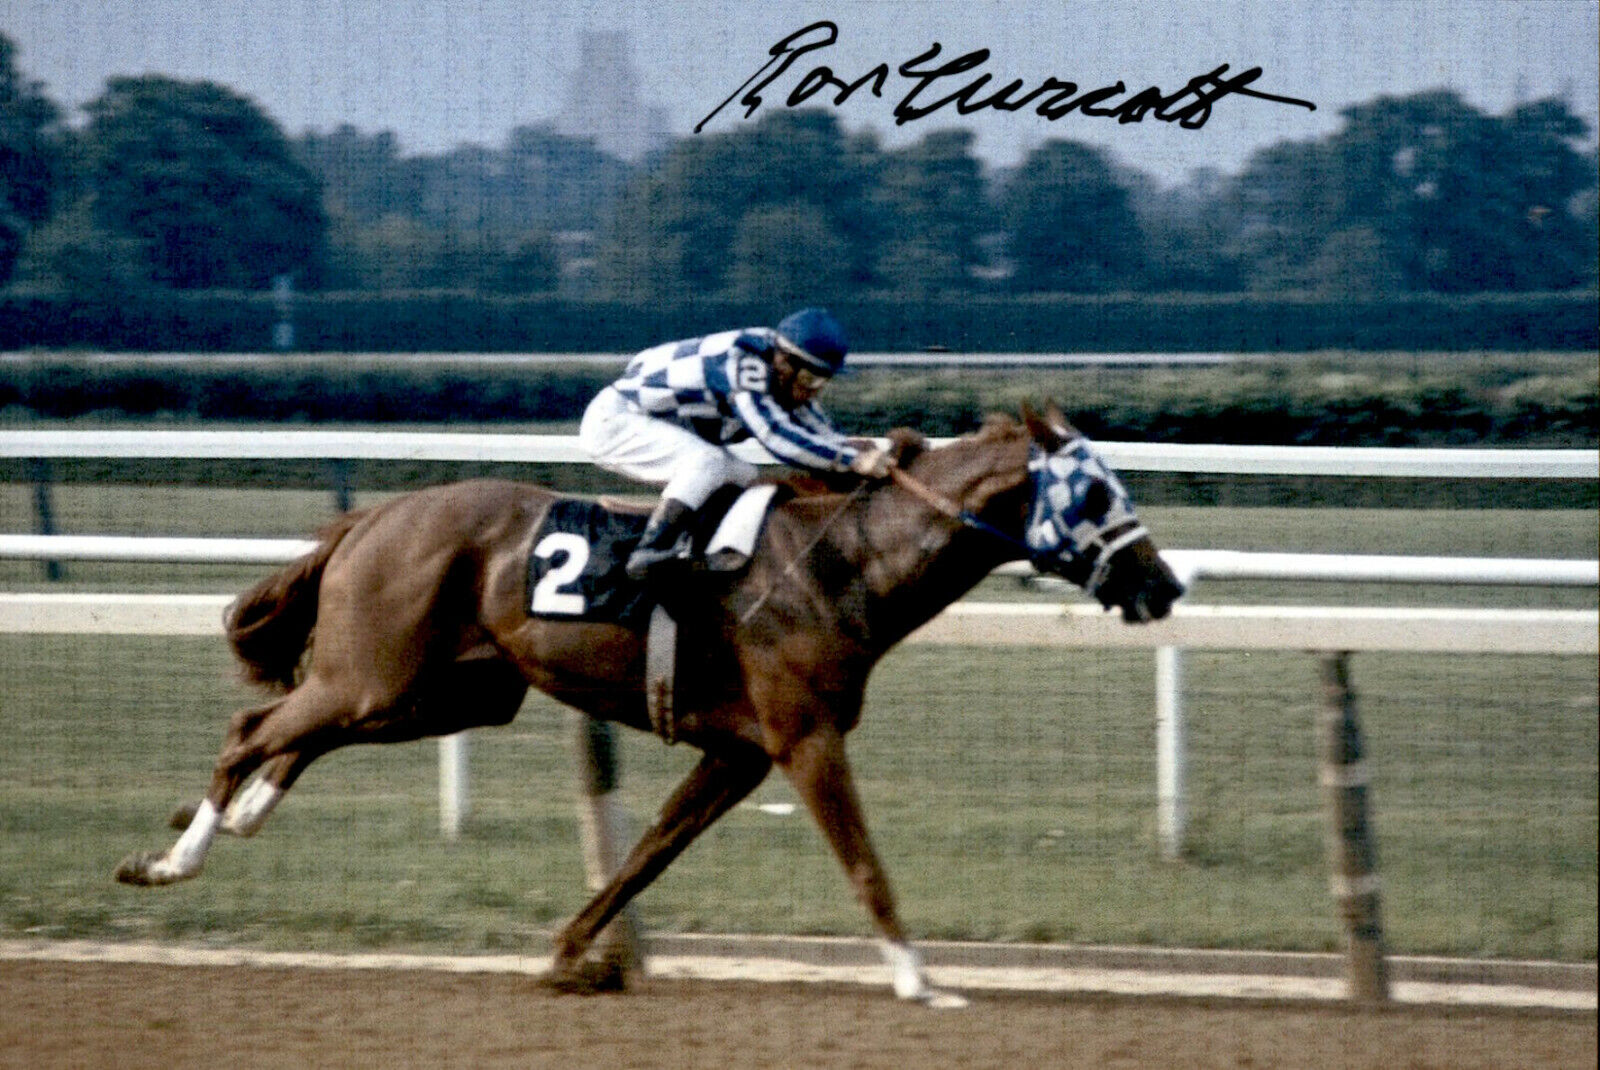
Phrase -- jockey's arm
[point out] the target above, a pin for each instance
(807, 443)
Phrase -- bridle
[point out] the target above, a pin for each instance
(948, 508)
(1107, 548)
(1103, 543)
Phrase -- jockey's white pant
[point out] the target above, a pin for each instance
(624, 440)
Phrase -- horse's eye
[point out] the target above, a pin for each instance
(1097, 500)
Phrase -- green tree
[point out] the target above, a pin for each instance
(787, 254)
(1069, 223)
(401, 253)
(552, 182)
(1281, 206)
(394, 253)
(526, 264)
(1187, 231)
(30, 157)
(203, 181)
(363, 176)
(1354, 260)
(69, 252)
(675, 227)
(1429, 193)
(934, 207)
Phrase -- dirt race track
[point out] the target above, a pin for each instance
(77, 1014)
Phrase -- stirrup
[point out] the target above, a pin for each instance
(647, 559)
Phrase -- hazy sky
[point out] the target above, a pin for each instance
(441, 73)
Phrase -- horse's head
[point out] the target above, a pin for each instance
(1081, 524)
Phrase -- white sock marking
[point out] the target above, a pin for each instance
(905, 966)
(189, 853)
(249, 809)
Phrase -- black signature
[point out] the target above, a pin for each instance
(1189, 107)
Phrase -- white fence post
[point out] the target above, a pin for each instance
(452, 784)
(1171, 807)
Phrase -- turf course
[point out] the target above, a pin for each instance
(1011, 793)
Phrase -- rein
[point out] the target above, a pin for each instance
(938, 502)
(949, 509)
(794, 562)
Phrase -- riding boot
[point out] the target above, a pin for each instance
(666, 538)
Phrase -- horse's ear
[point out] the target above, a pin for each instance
(1059, 422)
(1042, 427)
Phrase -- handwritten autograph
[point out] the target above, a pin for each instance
(1189, 107)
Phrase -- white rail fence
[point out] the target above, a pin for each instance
(560, 449)
(973, 624)
(1191, 627)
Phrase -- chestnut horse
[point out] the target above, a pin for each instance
(415, 618)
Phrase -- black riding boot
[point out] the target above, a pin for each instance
(666, 538)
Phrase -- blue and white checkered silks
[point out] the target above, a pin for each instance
(719, 387)
(1065, 524)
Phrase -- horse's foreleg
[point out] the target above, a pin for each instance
(820, 772)
(711, 789)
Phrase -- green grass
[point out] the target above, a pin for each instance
(1011, 793)
(1012, 797)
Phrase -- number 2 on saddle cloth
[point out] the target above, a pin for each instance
(575, 568)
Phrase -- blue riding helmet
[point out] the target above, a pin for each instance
(815, 339)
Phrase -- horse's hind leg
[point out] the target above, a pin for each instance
(254, 803)
(710, 790)
(288, 728)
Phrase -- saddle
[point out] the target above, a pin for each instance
(576, 573)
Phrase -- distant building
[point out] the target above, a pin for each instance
(604, 103)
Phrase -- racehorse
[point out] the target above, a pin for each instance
(412, 619)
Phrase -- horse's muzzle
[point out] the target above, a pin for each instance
(1153, 602)
(1140, 584)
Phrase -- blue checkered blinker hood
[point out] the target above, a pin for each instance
(1081, 512)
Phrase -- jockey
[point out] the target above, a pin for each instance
(677, 407)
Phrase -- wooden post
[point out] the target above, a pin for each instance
(600, 827)
(44, 519)
(339, 476)
(1352, 855)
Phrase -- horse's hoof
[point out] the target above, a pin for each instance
(139, 869)
(587, 978)
(183, 816)
(943, 1001)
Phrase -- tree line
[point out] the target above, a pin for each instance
(188, 185)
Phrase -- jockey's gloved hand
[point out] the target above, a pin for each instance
(872, 463)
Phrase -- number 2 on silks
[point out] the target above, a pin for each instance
(751, 373)
(548, 597)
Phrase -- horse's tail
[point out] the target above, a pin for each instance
(269, 626)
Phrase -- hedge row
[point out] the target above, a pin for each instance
(63, 388)
(459, 322)
(1370, 401)
(1393, 399)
